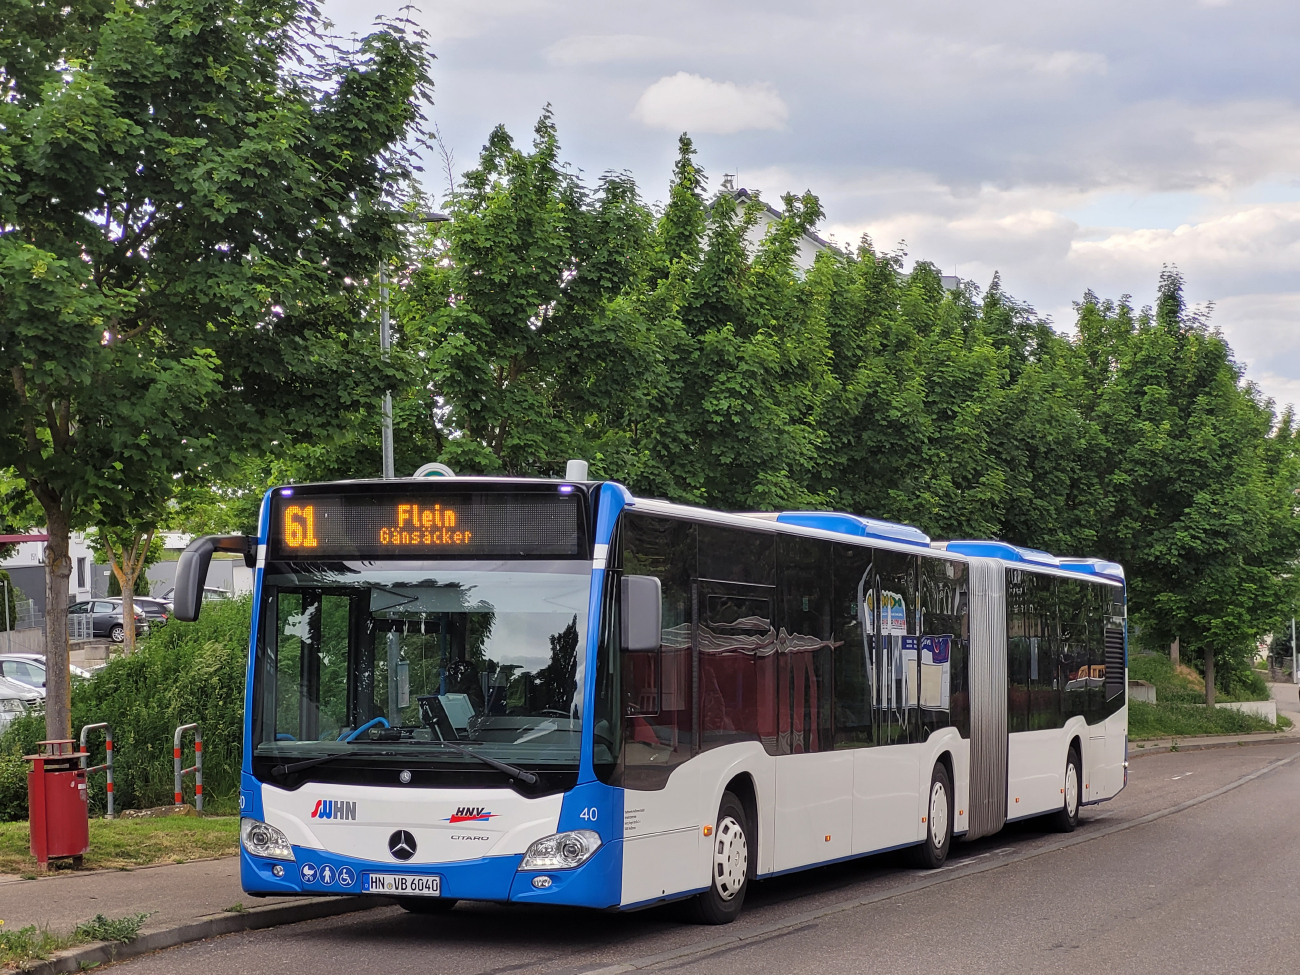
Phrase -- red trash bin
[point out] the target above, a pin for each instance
(57, 807)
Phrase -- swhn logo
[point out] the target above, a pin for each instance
(334, 809)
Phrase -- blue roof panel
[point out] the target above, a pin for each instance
(862, 527)
(1095, 567)
(1003, 550)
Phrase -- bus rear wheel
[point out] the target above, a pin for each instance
(1067, 817)
(938, 821)
(426, 905)
(729, 863)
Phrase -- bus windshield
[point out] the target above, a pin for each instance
(390, 660)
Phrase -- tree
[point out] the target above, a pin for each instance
(514, 317)
(1198, 479)
(192, 194)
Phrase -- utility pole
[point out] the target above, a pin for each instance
(1294, 678)
(9, 635)
(386, 344)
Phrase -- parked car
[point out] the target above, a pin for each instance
(107, 618)
(16, 699)
(156, 611)
(29, 669)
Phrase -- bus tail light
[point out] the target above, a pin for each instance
(562, 851)
(264, 840)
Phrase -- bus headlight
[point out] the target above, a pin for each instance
(264, 840)
(562, 851)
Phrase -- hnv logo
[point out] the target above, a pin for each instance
(470, 814)
(334, 809)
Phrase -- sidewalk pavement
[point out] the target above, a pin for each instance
(1288, 700)
(186, 901)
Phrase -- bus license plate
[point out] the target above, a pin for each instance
(404, 884)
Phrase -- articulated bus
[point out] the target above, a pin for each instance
(553, 692)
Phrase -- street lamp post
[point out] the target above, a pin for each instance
(386, 344)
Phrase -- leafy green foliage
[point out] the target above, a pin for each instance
(182, 672)
(1182, 685)
(193, 194)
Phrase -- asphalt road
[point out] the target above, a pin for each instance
(1194, 868)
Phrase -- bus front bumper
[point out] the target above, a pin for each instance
(597, 883)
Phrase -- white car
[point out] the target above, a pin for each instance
(16, 699)
(29, 669)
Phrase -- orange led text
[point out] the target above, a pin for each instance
(300, 526)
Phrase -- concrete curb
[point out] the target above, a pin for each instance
(1159, 746)
(211, 926)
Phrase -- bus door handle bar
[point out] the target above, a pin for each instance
(108, 762)
(196, 768)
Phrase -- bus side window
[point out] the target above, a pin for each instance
(855, 651)
(656, 685)
(805, 648)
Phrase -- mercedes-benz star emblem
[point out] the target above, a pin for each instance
(401, 845)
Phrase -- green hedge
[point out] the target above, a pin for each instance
(182, 672)
(1169, 720)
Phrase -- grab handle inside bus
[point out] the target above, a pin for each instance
(642, 612)
(192, 570)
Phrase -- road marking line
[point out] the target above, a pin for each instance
(809, 917)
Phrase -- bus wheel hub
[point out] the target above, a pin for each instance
(730, 858)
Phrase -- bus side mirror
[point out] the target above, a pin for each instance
(192, 571)
(642, 612)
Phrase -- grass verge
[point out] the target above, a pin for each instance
(1167, 720)
(133, 842)
(33, 944)
(1183, 685)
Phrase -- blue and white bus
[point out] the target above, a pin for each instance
(553, 692)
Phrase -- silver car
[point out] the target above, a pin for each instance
(16, 699)
(29, 669)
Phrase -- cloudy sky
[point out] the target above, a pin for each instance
(1067, 145)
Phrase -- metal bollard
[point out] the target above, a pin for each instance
(197, 768)
(108, 763)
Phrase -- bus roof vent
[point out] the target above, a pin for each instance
(1095, 567)
(1005, 551)
(835, 521)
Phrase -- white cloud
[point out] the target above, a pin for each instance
(691, 103)
(584, 49)
(1258, 240)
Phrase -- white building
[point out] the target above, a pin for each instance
(28, 563)
(810, 245)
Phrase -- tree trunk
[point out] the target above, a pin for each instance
(1209, 678)
(1173, 652)
(127, 564)
(58, 570)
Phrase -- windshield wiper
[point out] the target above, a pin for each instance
(280, 771)
(514, 772)
(529, 778)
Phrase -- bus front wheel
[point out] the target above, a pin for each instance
(938, 821)
(729, 862)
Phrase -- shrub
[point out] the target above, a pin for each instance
(1164, 720)
(181, 673)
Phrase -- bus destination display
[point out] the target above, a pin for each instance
(444, 526)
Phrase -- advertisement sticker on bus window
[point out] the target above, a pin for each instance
(893, 613)
(936, 672)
